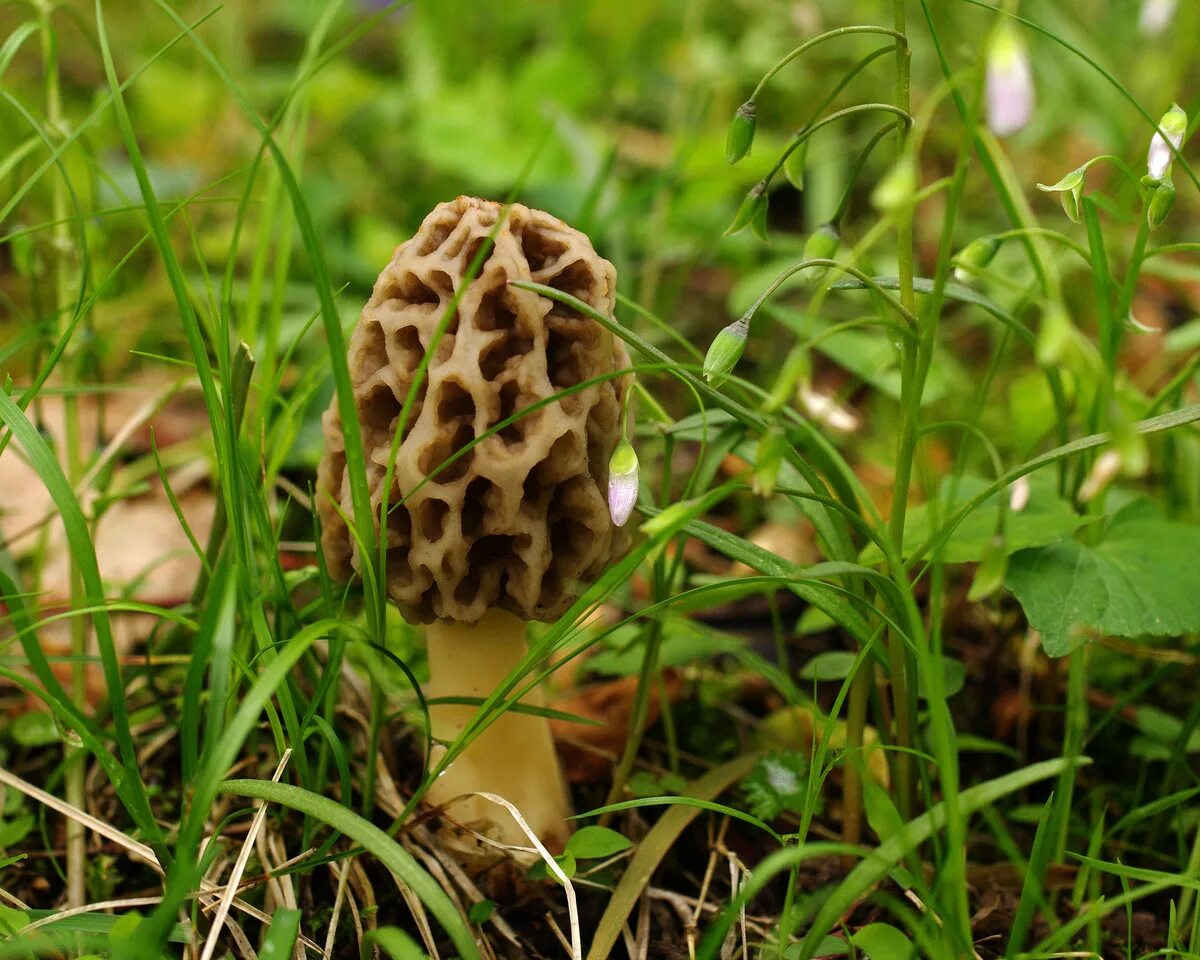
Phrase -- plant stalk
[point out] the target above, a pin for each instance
(75, 772)
(910, 402)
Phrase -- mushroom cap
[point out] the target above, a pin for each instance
(520, 521)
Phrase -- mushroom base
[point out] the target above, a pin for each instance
(513, 758)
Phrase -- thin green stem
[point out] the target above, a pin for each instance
(76, 839)
(910, 402)
(815, 41)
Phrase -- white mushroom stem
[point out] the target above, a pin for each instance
(514, 757)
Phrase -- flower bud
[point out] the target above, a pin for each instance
(1070, 192)
(725, 351)
(1174, 125)
(1009, 81)
(974, 257)
(1054, 336)
(622, 483)
(1018, 496)
(1161, 202)
(741, 133)
(794, 164)
(897, 187)
(755, 200)
(1156, 16)
(1103, 472)
(822, 243)
(768, 458)
(826, 411)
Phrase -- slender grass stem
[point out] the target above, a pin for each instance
(76, 839)
(910, 401)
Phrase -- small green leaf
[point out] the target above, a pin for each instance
(481, 912)
(34, 729)
(954, 675)
(14, 831)
(831, 665)
(882, 941)
(596, 843)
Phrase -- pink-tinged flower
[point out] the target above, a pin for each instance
(1009, 81)
(1156, 16)
(622, 483)
(1174, 125)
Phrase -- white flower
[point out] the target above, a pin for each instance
(1174, 125)
(826, 410)
(1103, 472)
(1018, 497)
(622, 483)
(1009, 81)
(1156, 16)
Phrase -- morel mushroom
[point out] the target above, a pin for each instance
(517, 526)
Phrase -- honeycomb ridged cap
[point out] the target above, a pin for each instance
(519, 521)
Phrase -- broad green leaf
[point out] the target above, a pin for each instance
(595, 843)
(1047, 517)
(1133, 583)
(882, 941)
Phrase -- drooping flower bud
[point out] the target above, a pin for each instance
(897, 187)
(622, 483)
(1070, 191)
(825, 410)
(1156, 16)
(1009, 81)
(974, 257)
(1161, 202)
(822, 243)
(768, 458)
(752, 203)
(1103, 472)
(1174, 125)
(1054, 336)
(725, 351)
(1018, 496)
(741, 133)
(794, 164)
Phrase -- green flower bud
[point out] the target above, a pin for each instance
(822, 243)
(768, 458)
(1161, 202)
(897, 187)
(758, 223)
(725, 351)
(1054, 336)
(741, 133)
(974, 257)
(753, 202)
(1070, 192)
(794, 164)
